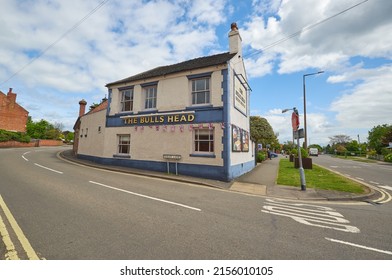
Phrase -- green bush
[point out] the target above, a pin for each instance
(13, 136)
(260, 157)
(388, 158)
(304, 153)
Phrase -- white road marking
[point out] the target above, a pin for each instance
(360, 178)
(386, 187)
(376, 183)
(334, 166)
(347, 175)
(385, 196)
(359, 246)
(18, 231)
(146, 196)
(48, 168)
(312, 215)
(23, 156)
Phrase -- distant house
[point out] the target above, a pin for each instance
(13, 117)
(95, 118)
(190, 118)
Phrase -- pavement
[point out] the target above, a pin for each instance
(261, 181)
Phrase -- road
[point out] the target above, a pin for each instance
(72, 212)
(377, 175)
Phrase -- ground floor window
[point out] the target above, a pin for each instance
(204, 140)
(124, 143)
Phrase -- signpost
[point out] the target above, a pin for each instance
(298, 133)
(171, 157)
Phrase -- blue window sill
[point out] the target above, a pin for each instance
(121, 156)
(203, 155)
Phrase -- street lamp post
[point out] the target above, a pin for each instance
(295, 125)
(303, 81)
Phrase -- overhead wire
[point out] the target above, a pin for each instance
(305, 29)
(40, 54)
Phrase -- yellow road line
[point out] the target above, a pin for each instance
(18, 231)
(11, 253)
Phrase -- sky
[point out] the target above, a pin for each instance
(54, 53)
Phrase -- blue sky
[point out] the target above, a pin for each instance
(123, 38)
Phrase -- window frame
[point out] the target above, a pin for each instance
(150, 97)
(195, 92)
(121, 145)
(196, 141)
(123, 102)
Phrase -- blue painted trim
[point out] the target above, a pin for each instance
(240, 169)
(197, 76)
(109, 101)
(199, 107)
(226, 120)
(121, 156)
(202, 115)
(195, 170)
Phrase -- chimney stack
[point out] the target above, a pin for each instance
(11, 96)
(82, 108)
(235, 40)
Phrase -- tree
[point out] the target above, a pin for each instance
(42, 129)
(319, 148)
(341, 150)
(261, 132)
(288, 146)
(353, 146)
(339, 139)
(379, 137)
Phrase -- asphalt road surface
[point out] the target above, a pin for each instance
(67, 211)
(375, 174)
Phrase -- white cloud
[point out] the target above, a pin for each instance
(120, 39)
(319, 126)
(369, 102)
(358, 32)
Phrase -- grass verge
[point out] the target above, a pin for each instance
(317, 177)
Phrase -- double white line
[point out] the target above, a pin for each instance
(11, 253)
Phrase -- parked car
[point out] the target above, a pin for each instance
(274, 155)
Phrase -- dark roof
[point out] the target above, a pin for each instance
(196, 63)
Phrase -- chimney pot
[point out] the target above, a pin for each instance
(235, 40)
(234, 26)
(82, 108)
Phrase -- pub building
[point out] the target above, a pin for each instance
(189, 118)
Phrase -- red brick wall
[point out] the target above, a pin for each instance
(50, 143)
(14, 144)
(13, 117)
(38, 143)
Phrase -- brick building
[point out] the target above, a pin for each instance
(13, 117)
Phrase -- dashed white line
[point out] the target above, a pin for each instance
(376, 183)
(146, 196)
(359, 246)
(386, 187)
(23, 156)
(50, 169)
(360, 178)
